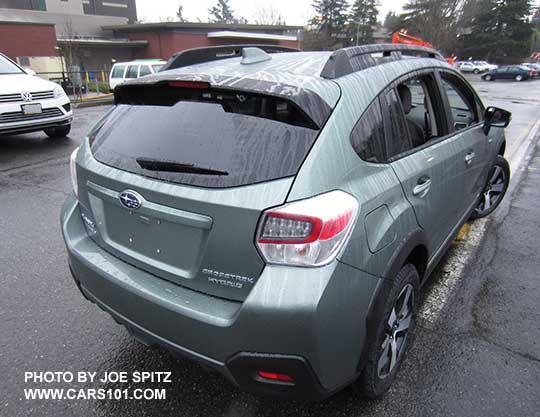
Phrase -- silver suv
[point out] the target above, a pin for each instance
(274, 215)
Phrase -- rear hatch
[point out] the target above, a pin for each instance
(180, 174)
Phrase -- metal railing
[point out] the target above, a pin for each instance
(79, 84)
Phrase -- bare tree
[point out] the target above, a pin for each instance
(269, 15)
(68, 45)
(180, 13)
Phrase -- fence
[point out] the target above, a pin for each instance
(80, 83)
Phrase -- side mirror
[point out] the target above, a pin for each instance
(495, 117)
(29, 71)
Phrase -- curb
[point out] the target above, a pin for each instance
(94, 101)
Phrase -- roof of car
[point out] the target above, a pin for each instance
(141, 61)
(294, 69)
(297, 69)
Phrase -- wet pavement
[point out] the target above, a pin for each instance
(480, 356)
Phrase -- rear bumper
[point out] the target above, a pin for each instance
(306, 323)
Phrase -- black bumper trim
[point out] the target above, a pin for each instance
(244, 368)
(36, 127)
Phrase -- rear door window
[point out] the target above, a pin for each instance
(144, 70)
(212, 139)
(118, 71)
(132, 71)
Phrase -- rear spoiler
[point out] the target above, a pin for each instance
(159, 89)
(214, 53)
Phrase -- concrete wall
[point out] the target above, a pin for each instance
(65, 6)
(47, 67)
(85, 25)
(99, 58)
(23, 39)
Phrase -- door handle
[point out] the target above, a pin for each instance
(422, 188)
(469, 158)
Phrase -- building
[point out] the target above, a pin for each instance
(164, 39)
(117, 8)
(55, 36)
(37, 33)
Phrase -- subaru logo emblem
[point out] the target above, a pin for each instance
(26, 96)
(130, 199)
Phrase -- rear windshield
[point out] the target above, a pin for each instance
(205, 138)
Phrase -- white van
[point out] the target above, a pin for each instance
(122, 71)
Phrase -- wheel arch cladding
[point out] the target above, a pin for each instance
(502, 149)
(411, 249)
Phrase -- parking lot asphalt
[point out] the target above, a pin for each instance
(479, 356)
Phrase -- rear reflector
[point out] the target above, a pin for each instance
(189, 84)
(308, 232)
(276, 377)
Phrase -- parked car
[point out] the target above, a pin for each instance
(533, 66)
(29, 103)
(275, 225)
(486, 66)
(122, 71)
(471, 67)
(511, 72)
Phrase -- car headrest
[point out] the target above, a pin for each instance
(406, 97)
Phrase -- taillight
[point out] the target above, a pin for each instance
(189, 84)
(73, 171)
(276, 377)
(308, 232)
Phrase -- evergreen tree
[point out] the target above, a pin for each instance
(535, 42)
(435, 21)
(331, 18)
(222, 13)
(500, 31)
(392, 22)
(362, 19)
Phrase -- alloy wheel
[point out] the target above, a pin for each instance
(399, 322)
(494, 190)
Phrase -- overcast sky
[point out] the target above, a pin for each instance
(295, 12)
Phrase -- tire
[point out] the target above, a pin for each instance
(377, 378)
(476, 71)
(495, 189)
(58, 131)
(488, 77)
(518, 77)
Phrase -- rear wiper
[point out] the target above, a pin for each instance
(171, 166)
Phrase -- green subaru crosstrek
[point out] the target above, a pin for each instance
(273, 216)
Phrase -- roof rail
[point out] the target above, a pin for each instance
(214, 53)
(356, 58)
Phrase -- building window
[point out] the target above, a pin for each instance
(111, 4)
